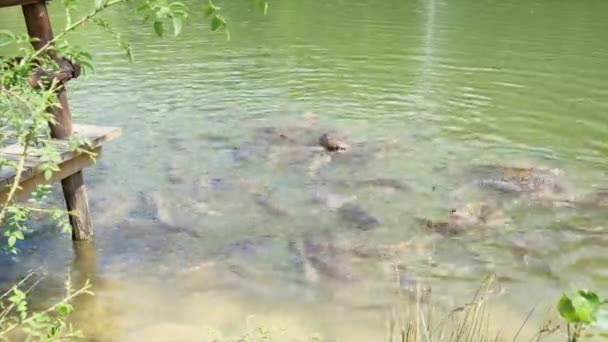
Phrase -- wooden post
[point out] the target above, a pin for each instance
(75, 193)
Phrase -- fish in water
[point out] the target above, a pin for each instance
(153, 205)
(538, 182)
(500, 185)
(238, 154)
(323, 256)
(175, 173)
(358, 217)
(332, 200)
(470, 215)
(384, 183)
(264, 202)
(388, 184)
(481, 214)
(160, 211)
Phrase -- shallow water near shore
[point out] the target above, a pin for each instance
(204, 223)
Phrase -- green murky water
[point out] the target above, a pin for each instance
(427, 88)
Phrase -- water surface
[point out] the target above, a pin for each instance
(445, 85)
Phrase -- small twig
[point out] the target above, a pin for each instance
(16, 181)
(9, 308)
(524, 323)
(70, 28)
(84, 289)
(30, 274)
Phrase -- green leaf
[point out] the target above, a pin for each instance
(178, 8)
(582, 308)
(587, 304)
(217, 22)
(48, 173)
(264, 6)
(177, 26)
(566, 309)
(143, 8)
(8, 34)
(19, 235)
(65, 309)
(591, 297)
(12, 240)
(210, 9)
(159, 28)
(163, 12)
(7, 37)
(99, 4)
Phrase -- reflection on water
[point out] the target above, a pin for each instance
(218, 203)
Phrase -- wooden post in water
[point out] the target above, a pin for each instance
(75, 193)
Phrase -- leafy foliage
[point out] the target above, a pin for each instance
(161, 11)
(17, 322)
(580, 311)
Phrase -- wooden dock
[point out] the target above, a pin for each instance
(71, 162)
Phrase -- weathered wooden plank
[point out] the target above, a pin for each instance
(29, 161)
(8, 3)
(76, 199)
(96, 134)
(67, 168)
(8, 175)
(15, 151)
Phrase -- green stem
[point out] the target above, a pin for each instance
(16, 181)
(83, 290)
(70, 29)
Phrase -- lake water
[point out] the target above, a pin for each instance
(201, 219)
